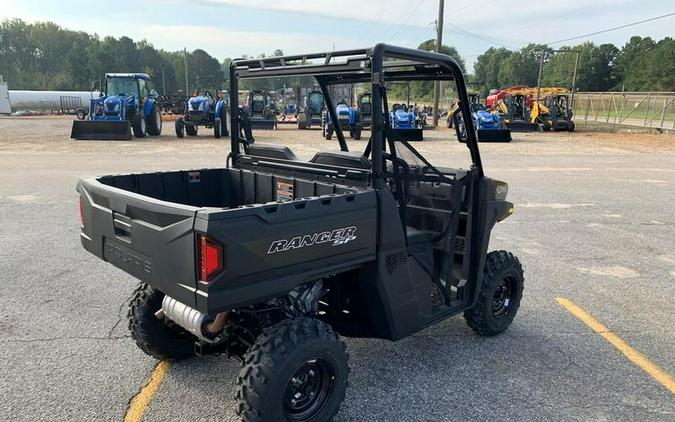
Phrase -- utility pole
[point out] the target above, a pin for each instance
(163, 83)
(187, 91)
(574, 77)
(439, 43)
(541, 68)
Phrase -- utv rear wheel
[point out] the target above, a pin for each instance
(157, 338)
(296, 371)
(139, 126)
(499, 296)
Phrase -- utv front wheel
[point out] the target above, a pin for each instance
(157, 338)
(499, 296)
(296, 371)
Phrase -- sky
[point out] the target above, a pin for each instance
(232, 28)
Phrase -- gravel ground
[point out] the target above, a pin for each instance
(593, 223)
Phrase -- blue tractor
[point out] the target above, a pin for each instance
(405, 122)
(261, 110)
(125, 103)
(489, 125)
(204, 110)
(311, 113)
(345, 115)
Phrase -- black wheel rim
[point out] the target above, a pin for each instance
(308, 389)
(503, 297)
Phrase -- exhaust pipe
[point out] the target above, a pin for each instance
(192, 320)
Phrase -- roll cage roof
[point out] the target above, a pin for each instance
(128, 75)
(377, 65)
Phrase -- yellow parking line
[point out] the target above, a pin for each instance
(139, 404)
(631, 354)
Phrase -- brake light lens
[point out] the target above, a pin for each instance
(81, 212)
(210, 258)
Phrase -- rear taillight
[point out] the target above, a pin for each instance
(81, 212)
(210, 258)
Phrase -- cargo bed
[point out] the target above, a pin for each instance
(148, 225)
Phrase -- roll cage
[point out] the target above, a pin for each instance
(377, 66)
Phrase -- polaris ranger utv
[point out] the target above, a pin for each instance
(271, 259)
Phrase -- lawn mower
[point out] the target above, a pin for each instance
(125, 103)
(204, 110)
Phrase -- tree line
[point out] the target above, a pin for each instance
(642, 64)
(44, 55)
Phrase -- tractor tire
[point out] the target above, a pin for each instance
(223, 125)
(499, 296)
(155, 122)
(153, 336)
(302, 121)
(357, 133)
(328, 134)
(570, 127)
(180, 128)
(217, 124)
(296, 370)
(139, 125)
(191, 130)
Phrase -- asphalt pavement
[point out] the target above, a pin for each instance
(593, 223)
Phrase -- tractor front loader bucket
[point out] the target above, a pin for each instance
(494, 135)
(409, 135)
(524, 127)
(263, 124)
(101, 129)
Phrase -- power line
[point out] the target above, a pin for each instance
(419, 4)
(613, 29)
(480, 37)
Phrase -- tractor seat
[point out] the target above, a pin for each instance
(271, 151)
(415, 236)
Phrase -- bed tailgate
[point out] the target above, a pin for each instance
(150, 239)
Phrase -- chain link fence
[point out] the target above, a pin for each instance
(638, 109)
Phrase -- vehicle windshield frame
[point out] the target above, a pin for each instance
(115, 77)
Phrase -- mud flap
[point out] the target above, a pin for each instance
(263, 124)
(494, 135)
(101, 129)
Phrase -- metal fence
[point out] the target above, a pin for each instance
(638, 109)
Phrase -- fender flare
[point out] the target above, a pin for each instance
(220, 106)
(147, 108)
